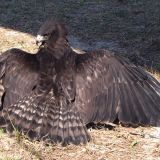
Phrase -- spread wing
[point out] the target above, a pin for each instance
(19, 74)
(110, 88)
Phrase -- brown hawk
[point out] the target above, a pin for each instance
(55, 93)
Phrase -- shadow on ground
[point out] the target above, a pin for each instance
(128, 27)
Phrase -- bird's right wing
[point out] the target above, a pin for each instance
(18, 74)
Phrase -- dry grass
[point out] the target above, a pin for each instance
(155, 73)
(16, 40)
(120, 143)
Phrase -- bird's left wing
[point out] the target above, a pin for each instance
(109, 88)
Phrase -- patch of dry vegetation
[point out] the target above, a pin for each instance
(155, 73)
(15, 39)
(120, 143)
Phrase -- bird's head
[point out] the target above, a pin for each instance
(50, 32)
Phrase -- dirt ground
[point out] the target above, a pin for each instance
(118, 143)
(128, 27)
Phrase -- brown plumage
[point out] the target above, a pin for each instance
(18, 73)
(72, 90)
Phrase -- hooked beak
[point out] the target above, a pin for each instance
(40, 40)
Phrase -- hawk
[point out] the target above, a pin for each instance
(60, 91)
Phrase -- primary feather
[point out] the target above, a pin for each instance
(19, 74)
(72, 90)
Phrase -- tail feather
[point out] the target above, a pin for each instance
(47, 120)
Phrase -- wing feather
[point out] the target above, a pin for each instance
(115, 89)
(42, 117)
(20, 73)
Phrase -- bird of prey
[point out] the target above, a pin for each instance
(60, 91)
